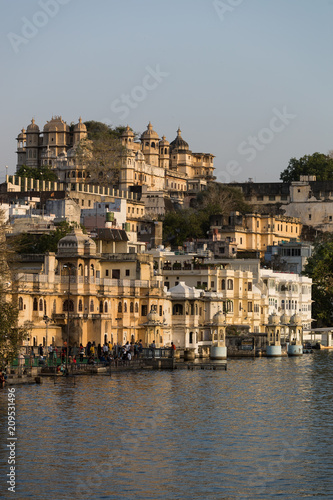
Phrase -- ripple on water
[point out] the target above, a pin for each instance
(261, 430)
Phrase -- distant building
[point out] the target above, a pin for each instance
(289, 256)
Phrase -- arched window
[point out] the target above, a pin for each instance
(20, 304)
(105, 307)
(91, 305)
(153, 144)
(41, 305)
(230, 285)
(136, 307)
(101, 306)
(120, 307)
(223, 285)
(92, 270)
(196, 309)
(191, 338)
(131, 307)
(80, 270)
(67, 303)
(177, 310)
(125, 307)
(80, 305)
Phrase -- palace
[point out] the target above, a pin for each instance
(152, 164)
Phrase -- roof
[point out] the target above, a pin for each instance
(109, 234)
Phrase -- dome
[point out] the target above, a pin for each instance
(80, 127)
(285, 320)
(33, 127)
(149, 134)
(273, 319)
(164, 142)
(22, 134)
(128, 132)
(76, 243)
(152, 317)
(219, 318)
(179, 143)
(56, 124)
(296, 319)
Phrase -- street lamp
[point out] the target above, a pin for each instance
(69, 268)
(47, 321)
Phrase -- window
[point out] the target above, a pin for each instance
(230, 284)
(136, 307)
(68, 306)
(106, 272)
(125, 307)
(249, 307)
(144, 310)
(177, 310)
(20, 304)
(127, 272)
(223, 285)
(101, 306)
(41, 306)
(80, 305)
(116, 274)
(91, 305)
(161, 310)
(105, 307)
(249, 286)
(120, 307)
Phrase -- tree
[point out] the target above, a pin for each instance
(317, 164)
(40, 243)
(320, 268)
(180, 225)
(43, 173)
(102, 153)
(11, 334)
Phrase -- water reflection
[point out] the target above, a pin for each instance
(261, 430)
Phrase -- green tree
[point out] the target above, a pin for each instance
(320, 268)
(317, 164)
(183, 224)
(101, 153)
(180, 225)
(43, 173)
(11, 334)
(40, 243)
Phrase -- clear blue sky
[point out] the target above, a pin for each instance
(227, 69)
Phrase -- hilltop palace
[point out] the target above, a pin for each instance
(118, 282)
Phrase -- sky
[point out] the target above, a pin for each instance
(249, 81)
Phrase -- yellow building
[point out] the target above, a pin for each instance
(254, 232)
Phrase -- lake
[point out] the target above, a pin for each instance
(262, 429)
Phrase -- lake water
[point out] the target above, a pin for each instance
(262, 429)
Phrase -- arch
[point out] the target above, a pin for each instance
(106, 307)
(120, 307)
(92, 270)
(80, 305)
(177, 310)
(136, 307)
(131, 307)
(223, 284)
(80, 270)
(190, 340)
(101, 306)
(230, 284)
(152, 145)
(41, 305)
(68, 305)
(20, 304)
(125, 307)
